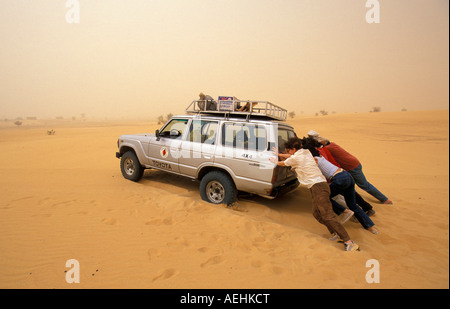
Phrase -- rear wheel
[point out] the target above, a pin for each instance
(218, 188)
(130, 166)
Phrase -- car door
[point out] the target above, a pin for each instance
(198, 146)
(242, 149)
(164, 150)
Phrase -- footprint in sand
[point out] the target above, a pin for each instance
(64, 203)
(164, 221)
(166, 274)
(276, 270)
(256, 263)
(153, 253)
(212, 261)
(203, 249)
(179, 242)
(110, 221)
(272, 269)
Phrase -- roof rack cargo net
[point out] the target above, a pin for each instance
(229, 105)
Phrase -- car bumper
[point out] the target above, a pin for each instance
(287, 187)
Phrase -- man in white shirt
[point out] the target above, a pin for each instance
(309, 175)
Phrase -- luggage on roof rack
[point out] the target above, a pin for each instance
(229, 106)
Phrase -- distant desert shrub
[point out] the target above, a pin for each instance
(376, 109)
(323, 112)
(291, 114)
(404, 109)
(18, 123)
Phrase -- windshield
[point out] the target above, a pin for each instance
(174, 129)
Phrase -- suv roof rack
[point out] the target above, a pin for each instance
(227, 106)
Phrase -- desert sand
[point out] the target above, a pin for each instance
(63, 197)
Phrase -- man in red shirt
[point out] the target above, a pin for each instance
(351, 164)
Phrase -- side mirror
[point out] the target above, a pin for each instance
(157, 135)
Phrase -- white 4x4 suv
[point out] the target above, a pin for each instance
(225, 150)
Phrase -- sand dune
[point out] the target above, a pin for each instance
(63, 197)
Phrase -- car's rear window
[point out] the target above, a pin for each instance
(283, 136)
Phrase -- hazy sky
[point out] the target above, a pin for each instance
(145, 58)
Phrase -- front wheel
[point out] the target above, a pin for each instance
(218, 188)
(130, 166)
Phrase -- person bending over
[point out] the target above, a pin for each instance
(309, 175)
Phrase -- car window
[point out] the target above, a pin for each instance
(203, 131)
(244, 136)
(174, 129)
(283, 136)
